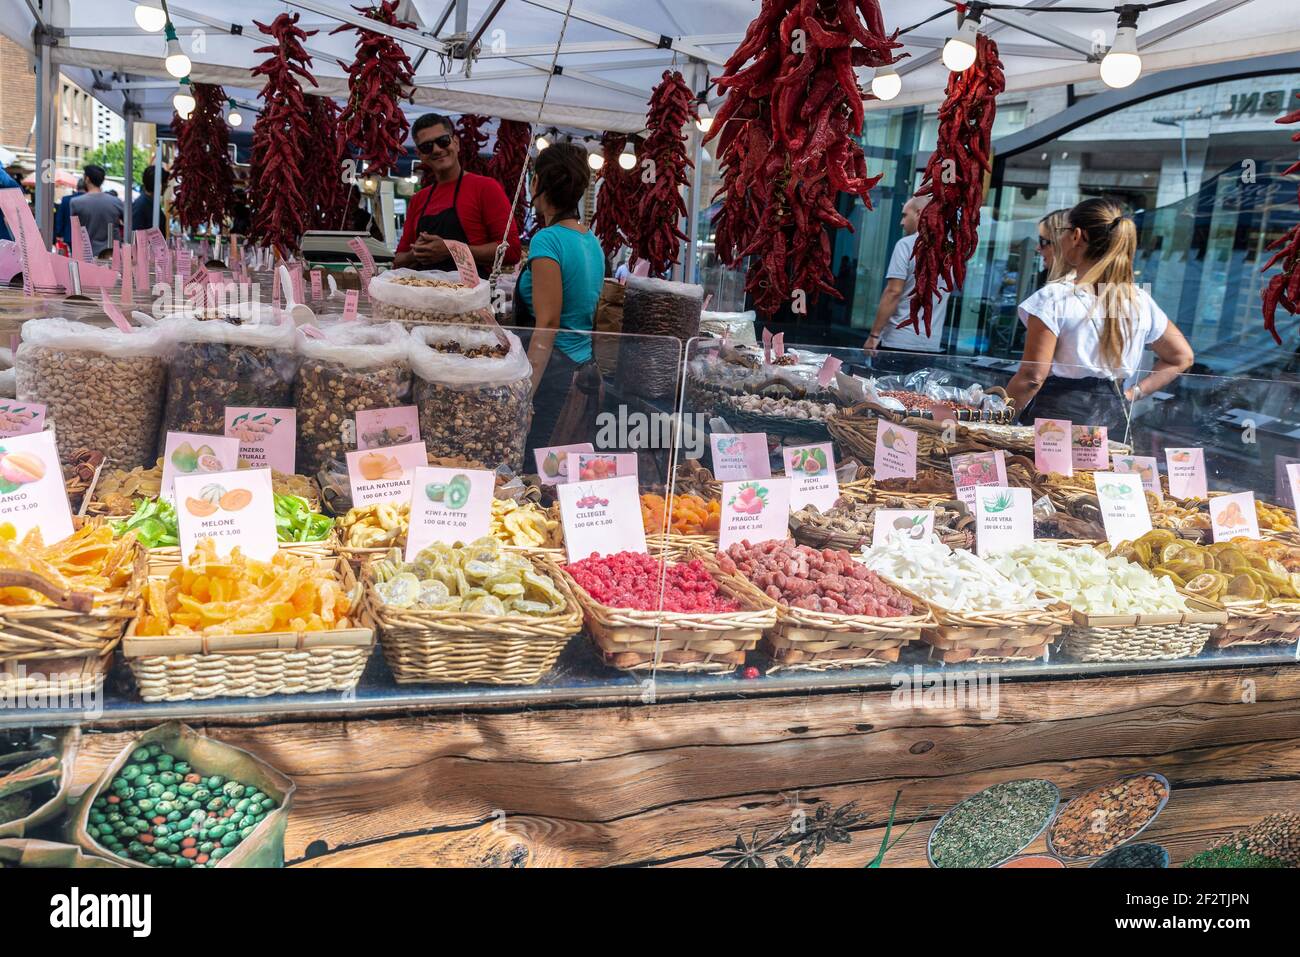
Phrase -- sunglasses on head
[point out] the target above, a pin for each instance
(442, 142)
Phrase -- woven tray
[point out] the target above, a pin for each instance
(773, 424)
(807, 640)
(989, 636)
(806, 533)
(1142, 637)
(196, 667)
(163, 560)
(1256, 623)
(633, 640)
(45, 648)
(423, 646)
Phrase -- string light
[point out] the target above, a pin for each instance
(183, 99)
(234, 117)
(595, 160)
(541, 142)
(886, 84)
(1121, 66)
(705, 121)
(627, 158)
(959, 51)
(150, 17)
(177, 63)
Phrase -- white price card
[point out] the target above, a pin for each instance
(1187, 473)
(192, 453)
(1123, 503)
(231, 508)
(811, 471)
(384, 475)
(757, 510)
(1004, 519)
(449, 505)
(908, 525)
(740, 455)
(31, 487)
(601, 518)
(1234, 516)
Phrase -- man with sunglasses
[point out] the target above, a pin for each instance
(456, 205)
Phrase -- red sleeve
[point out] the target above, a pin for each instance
(414, 207)
(496, 213)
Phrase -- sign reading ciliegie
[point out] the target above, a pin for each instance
(31, 487)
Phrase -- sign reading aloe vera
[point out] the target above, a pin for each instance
(1004, 519)
(449, 505)
(234, 508)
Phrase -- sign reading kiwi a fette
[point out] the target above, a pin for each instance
(31, 487)
(231, 508)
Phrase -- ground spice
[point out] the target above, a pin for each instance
(994, 824)
(1105, 817)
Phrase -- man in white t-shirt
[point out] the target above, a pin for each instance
(896, 301)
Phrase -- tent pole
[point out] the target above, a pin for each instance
(45, 137)
(128, 168)
(157, 179)
(690, 265)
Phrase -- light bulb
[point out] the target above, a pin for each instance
(150, 17)
(705, 121)
(541, 143)
(235, 118)
(886, 84)
(183, 102)
(959, 51)
(1122, 66)
(595, 160)
(177, 63)
(627, 158)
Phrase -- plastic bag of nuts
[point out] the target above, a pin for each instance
(473, 389)
(102, 388)
(351, 367)
(415, 297)
(213, 363)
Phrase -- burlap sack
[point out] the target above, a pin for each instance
(51, 807)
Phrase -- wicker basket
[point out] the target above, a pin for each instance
(807, 640)
(634, 640)
(815, 536)
(197, 667)
(774, 424)
(423, 646)
(1023, 634)
(1256, 623)
(48, 648)
(1162, 637)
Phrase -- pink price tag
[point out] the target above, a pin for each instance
(311, 332)
(778, 345)
(464, 261)
(80, 241)
(767, 347)
(115, 314)
(826, 374)
(315, 284)
(299, 284)
(1053, 446)
(358, 246)
(350, 305)
(275, 288)
(20, 418)
(117, 255)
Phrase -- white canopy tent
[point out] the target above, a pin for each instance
(612, 55)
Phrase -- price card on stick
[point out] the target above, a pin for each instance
(377, 428)
(267, 437)
(449, 505)
(1123, 506)
(742, 455)
(1144, 466)
(811, 471)
(1004, 519)
(464, 260)
(976, 469)
(231, 508)
(192, 453)
(1053, 446)
(601, 517)
(1291, 487)
(1187, 473)
(593, 466)
(826, 374)
(910, 525)
(1234, 516)
(80, 242)
(553, 461)
(895, 451)
(20, 418)
(755, 511)
(115, 314)
(1089, 447)
(38, 274)
(31, 487)
(385, 475)
(315, 284)
(350, 305)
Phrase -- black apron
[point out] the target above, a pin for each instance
(1088, 401)
(446, 224)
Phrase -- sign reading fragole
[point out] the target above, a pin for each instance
(601, 518)
(231, 508)
(449, 505)
(1123, 504)
(755, 511)
(1143, 466)
(1234, 516)
(384, 475)
(1053, 446)
(1004, 519)
(31, 487)
(20, 418)
(1187, 473)
(191, 453)
(553, 461)
(380, 428)
(740, 455)
(811, 471)
(267, 437)
(895, 451)
(908, 525)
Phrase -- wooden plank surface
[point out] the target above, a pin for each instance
(676, 784)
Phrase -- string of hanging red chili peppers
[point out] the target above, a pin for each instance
(508, 158)
(280, 211)
(656, 234)
(472, 140)
(615, 197)
(948, 230)
(378, 80)
(205, 183)
(325, 186)
(1284, 288)
(786, 141)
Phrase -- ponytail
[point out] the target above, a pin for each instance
(1111, 240)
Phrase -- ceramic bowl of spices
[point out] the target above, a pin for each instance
(1108, 816)
(1138, 855)
(989, 828)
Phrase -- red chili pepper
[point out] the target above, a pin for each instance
(655, 234)
(378, 80)
(205, 183)
(1284, 288)
(324, 186)
(508, 158)
(472, 140)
